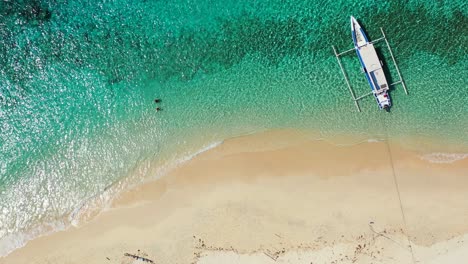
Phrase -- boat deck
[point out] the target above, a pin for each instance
(379, 79)
(371, 63)
(369, 57)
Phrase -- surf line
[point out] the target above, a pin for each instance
(397, 188)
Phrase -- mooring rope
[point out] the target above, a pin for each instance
(395, 181)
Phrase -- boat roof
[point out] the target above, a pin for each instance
(369, 58)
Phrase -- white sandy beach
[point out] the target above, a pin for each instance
(278, 197)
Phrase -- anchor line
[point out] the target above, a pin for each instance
(397, 188)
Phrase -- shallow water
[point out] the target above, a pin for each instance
(78, 80)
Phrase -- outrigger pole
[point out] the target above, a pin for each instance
(345, 76)
(394, 62)
(356, 99)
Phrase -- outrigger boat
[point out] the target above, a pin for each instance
(371, 66)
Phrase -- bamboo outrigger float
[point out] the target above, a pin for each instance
(371, 66)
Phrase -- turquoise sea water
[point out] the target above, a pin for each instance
(78, 79)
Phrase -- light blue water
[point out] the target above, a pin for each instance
(78, 80)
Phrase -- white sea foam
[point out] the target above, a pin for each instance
(374, 140)
(14, 241)
(16, 234)
(94, 205)
(440, 157)
(190, 156)
(355, 143)
(174, 163)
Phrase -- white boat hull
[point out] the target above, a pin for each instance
(371, 65)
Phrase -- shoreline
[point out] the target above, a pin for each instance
(255, 157)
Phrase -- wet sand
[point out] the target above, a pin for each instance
(279, 197)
